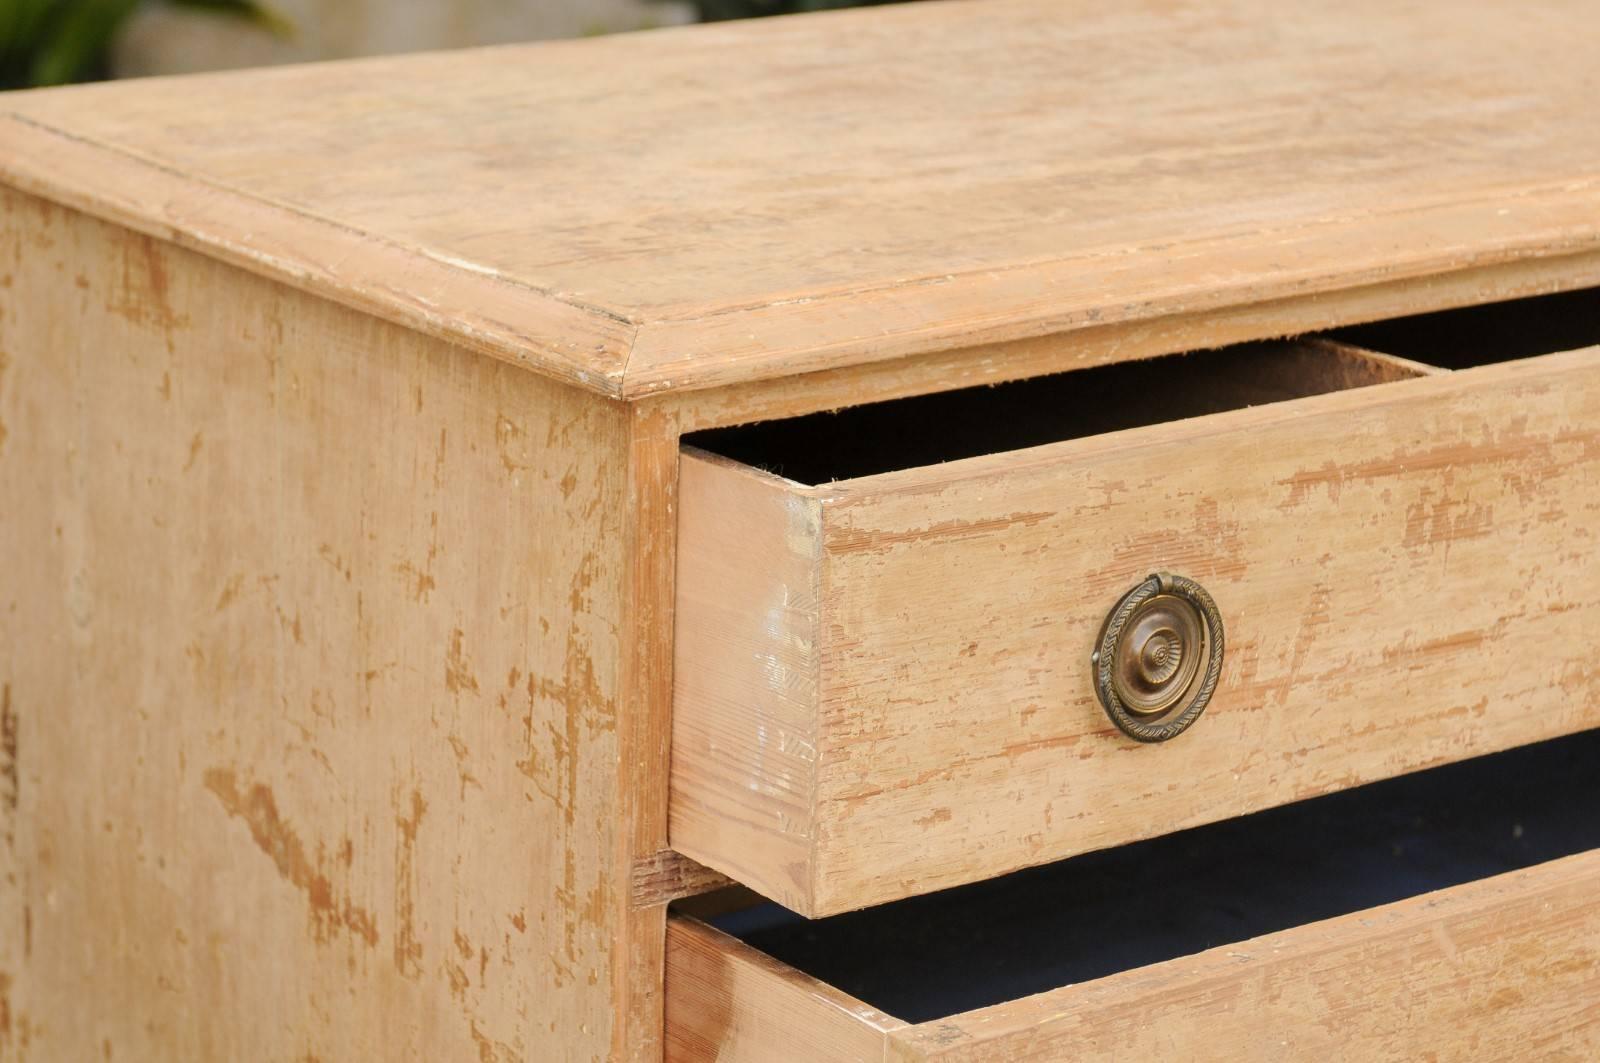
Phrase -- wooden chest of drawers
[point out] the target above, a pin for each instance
(455, 507)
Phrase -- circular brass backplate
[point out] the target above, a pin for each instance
(1159, 657)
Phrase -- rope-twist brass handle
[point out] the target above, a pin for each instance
(1159, 657)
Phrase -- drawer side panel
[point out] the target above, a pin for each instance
(745, 676)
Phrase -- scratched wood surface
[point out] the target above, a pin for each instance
(310, 664)
(893, 695)
(1504, 968)
(1135, 162)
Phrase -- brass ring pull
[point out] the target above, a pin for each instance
(1159, 657)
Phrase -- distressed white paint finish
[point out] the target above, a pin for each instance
(311, 639)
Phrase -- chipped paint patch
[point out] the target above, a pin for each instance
(256, 806)
(407, 948)
(457, 668)
(854, 540)
(141, 294)
(5, 363)
(10, 775)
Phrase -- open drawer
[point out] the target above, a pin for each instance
(1450, 914)
(886, 618)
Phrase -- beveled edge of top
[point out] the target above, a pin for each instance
(485, 312)
(612, 355)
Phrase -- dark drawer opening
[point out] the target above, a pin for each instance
(1492, 332)
(942, 954)
(929, 429)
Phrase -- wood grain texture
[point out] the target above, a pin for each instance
(1503, 968)
(1402, 570)
(310, 665)
(729, 1002)
(668, 875)
(774, 214)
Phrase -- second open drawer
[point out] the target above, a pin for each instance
(1453, 914)
(883, 678)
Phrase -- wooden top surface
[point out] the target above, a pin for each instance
(689, 207)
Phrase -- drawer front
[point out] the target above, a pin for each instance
(1503, 968)
(883, 686)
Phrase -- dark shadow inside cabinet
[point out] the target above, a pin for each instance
(1488, 333)
(967, 422)
(933, 956)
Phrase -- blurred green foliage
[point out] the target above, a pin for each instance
(52, 42)
(718, 10)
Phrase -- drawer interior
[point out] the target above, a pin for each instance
(1082, 919)
(1492, 332)
(946, 426)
